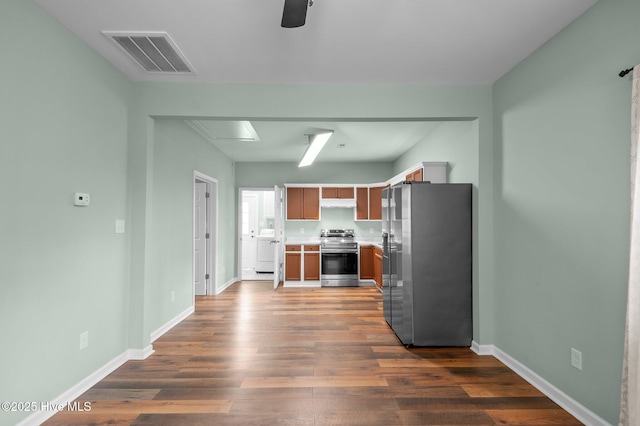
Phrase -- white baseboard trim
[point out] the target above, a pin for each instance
(225, 285)
(302, 284)
(85, 384)
(139, 354)
(576, 409)
(171, 323)
(70, 395)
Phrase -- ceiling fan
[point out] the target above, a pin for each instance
(295, 13)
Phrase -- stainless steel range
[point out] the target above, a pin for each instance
(339, 253)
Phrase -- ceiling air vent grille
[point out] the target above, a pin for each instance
(155, 52)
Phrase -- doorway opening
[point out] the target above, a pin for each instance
(257, 233)
(205, 234)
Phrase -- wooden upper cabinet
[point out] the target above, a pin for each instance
(294, 203)
(362, 203)
(303, 203)
(375, 203)
(311, 203)
(337, 192)
(418, 175)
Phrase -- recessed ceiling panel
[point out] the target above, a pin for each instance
(286, 141)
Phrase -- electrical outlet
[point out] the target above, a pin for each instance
(84, 339)
(119, 226)
(302, 230)
(576, 359)
(173, 296)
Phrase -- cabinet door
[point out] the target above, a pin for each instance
(377, 266)
(416, 176)
(366, 262)
(337, 192)
(312, 266)
(295, 198)
(345, 192)
(362, 203)
(375, 203)
(292, 266)
(329, 192)
(303, 203)
(311, 203)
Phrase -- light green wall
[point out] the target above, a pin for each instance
(70, 122)
(562, 128)
(63, 270)
(320, 102)
(270, 174)
(455, 142)
(177, 152)
(333, 218)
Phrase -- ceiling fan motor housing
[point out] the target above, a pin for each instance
(294, 13)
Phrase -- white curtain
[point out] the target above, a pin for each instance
(629, 405)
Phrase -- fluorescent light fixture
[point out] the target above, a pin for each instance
(316, 143)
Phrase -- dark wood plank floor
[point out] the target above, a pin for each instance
(309, 356)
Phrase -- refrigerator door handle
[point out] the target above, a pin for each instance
(385, 243)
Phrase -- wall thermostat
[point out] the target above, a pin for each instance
(81, 199)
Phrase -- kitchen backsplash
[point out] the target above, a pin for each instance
(333, 218)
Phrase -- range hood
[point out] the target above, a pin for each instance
(338, 203)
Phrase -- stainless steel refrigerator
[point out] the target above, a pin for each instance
(427, 263)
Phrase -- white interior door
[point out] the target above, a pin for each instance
(199, 238)
(278, 240)
(249, 230)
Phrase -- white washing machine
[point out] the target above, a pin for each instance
(265, 251)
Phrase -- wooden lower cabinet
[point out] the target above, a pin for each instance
(366, 262)
(312, 266)
(293, 269)
(302, 262)
(377, 266)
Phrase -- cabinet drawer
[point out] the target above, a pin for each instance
(293, 247)
(311, 248)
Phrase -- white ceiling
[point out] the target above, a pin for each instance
(343, 41)
(367, 141)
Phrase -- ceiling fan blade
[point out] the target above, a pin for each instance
(294, 13)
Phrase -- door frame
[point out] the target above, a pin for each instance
(254, 223)
(211, 220)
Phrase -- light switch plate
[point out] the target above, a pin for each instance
(119, 226)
